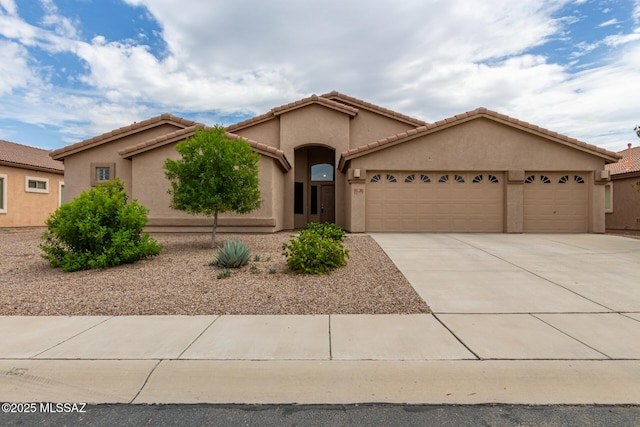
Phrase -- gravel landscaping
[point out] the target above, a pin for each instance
(180, 281)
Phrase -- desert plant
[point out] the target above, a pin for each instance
(98, 229)
(254, 269)
(256, 258)
(224, 273)
(327, 230)
(310, 253)
(272, 270)
(234, 254)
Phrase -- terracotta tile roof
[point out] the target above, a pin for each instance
(625, 165)
(182, 134)
(276, 111)
(118, 133)
(26, 157)
(609, 156)
(359, 103)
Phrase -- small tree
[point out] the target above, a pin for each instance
(216, 174)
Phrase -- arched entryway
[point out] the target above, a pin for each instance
(315, 176)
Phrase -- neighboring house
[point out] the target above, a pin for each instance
(337, 158)
(622, 202)
(31, 185)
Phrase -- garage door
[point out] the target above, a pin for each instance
(434, 201)
(556, 203)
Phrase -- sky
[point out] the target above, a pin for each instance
(74, 69)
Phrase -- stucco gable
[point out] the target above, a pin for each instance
(26, 157)
(277, 111)
(480, 113)
(122, 132)
(185, 133)
(360, 104)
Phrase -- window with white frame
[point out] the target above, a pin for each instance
(3, 193)
(60, 193)
(36, 185)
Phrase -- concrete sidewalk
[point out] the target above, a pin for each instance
(534, 319)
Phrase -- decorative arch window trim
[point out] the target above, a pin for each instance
(425, 178)
(478, 179)
(494, 179)
(459, 179)
(545, 179)
(375, 178)
(443, 179)
(391, 178)
(530, 179)
(410, 178)
(563, 179)
(578, 179)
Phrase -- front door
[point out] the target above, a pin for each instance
(327, 204)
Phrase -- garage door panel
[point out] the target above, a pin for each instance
(421, 204)
(561, 205)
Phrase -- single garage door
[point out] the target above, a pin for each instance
(556, 203)
(434, 201)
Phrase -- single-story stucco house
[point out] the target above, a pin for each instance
(31, 185)
(622, 196)
(340, 159)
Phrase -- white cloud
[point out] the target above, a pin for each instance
(613, 21)
(9, 6)
(430, 59)
(14, 68)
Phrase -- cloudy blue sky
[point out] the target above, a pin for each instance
(73, 69)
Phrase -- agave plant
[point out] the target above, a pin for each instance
(233, 254)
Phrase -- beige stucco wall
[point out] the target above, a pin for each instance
(149, 187)
(368, 127)
(29, 209)
(481, 144)
(314, 125)
(78, 166)
(484, 145)
(626, 204)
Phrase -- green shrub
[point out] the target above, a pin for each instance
(234, 254)
(327, 230)
(311, 253)
(99, 229)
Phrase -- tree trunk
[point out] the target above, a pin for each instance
(213, 232)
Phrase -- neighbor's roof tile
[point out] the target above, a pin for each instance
(626, 165)
(27, 157)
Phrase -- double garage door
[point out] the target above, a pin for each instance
(434, 201)
(472, 202)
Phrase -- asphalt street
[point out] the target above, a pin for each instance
(333, 415)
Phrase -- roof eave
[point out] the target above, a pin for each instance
(31, 167)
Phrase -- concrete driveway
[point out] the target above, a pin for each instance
(528, 296)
